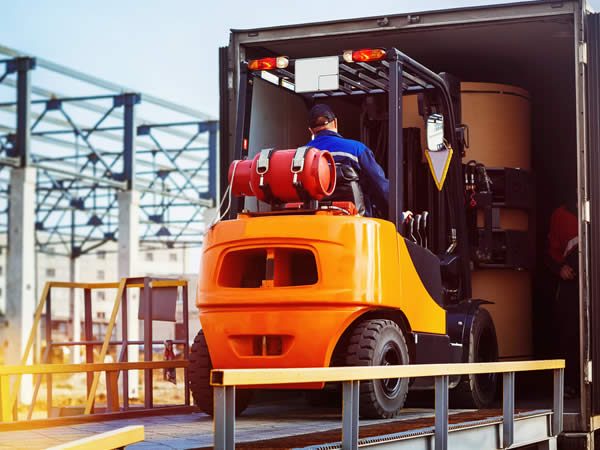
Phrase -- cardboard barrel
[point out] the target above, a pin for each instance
(499, 121)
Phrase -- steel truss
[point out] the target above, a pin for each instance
(88, 148)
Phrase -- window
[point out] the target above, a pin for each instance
(101, 315)
(101, 254)
(172, 256)
(250, 268)
(101, 295)
(51, 272)
(149, 256)
(100, 275)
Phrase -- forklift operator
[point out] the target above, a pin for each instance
(323, 125)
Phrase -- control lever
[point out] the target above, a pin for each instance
(418, 223)
(453, 243)
(424, 221)
(406, 215)
(411, 223)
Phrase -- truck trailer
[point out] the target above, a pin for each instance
(524, 84)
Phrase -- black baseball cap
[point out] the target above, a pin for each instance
(320, 115)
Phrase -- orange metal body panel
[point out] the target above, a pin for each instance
(362, 264)
(310, 335)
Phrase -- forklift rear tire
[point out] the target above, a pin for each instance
(199, 379)
(379, 342)
(479, 391)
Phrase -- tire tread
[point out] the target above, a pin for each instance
(199, 379)
(360, 352)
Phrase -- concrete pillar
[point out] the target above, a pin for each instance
(3, 250)
(75, 309)
(20, 284)
(129, 238)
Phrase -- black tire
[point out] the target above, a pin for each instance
(199, 379)
(479, 391)
(377, 342)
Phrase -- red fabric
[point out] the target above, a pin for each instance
(563, 228)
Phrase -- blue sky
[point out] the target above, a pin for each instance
(166, 48)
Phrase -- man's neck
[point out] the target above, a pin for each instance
(325, 130)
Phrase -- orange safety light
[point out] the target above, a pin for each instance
(280, 62)
(364, 55)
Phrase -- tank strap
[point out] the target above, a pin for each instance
(262, 167)
(297, 167)
(298, 162)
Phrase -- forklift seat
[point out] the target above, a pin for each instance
(347, 188)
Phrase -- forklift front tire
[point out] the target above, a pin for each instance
(479, 391)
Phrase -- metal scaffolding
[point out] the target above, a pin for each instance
(97, 141)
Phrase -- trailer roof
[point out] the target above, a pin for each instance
(399, 15)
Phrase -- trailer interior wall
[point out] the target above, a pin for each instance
(535, 54)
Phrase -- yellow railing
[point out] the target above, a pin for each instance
(225, 381)
(121, 287)
(110, 369)
(249, 377)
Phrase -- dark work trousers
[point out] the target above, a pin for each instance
(566, 321)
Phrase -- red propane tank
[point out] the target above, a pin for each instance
(316, 177)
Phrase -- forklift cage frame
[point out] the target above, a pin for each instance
(396, 75)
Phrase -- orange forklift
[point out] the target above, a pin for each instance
(294, 276)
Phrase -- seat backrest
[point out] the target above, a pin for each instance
(347, 187)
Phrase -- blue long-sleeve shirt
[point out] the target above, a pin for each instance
(373, 182)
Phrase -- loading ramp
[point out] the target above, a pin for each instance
(286, 423)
